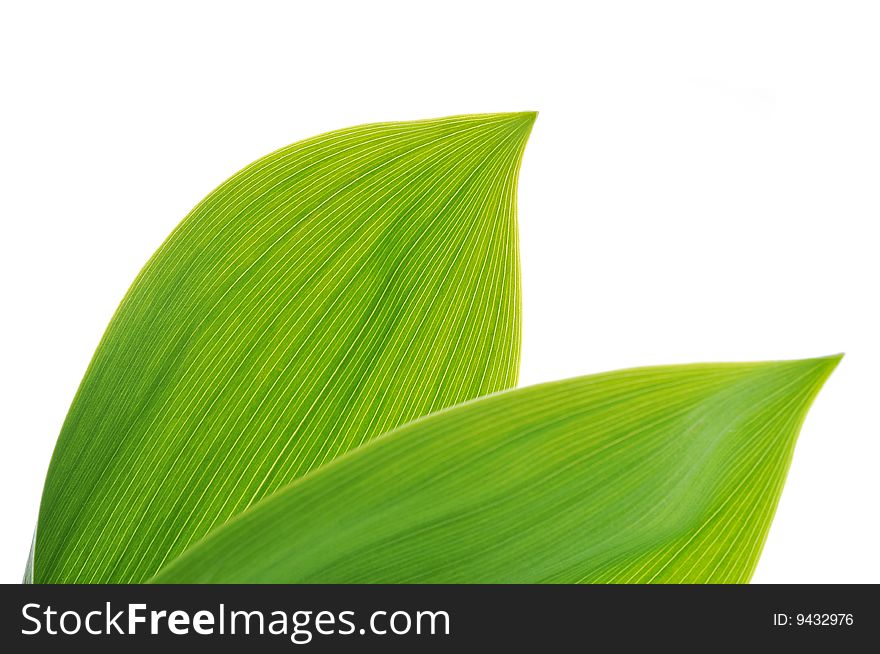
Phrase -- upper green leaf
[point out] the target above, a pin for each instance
(327, 293)
(667, 474)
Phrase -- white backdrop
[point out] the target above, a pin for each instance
(703, 183)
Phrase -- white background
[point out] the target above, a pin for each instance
(703, 183)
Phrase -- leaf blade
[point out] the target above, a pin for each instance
(341, 266)
(667, 474)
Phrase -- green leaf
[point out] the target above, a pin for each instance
(667, 474)
(327, 293)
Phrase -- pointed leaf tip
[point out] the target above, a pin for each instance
(525, 120)
(820, 368)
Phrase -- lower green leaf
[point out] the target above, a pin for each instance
(665, 474)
